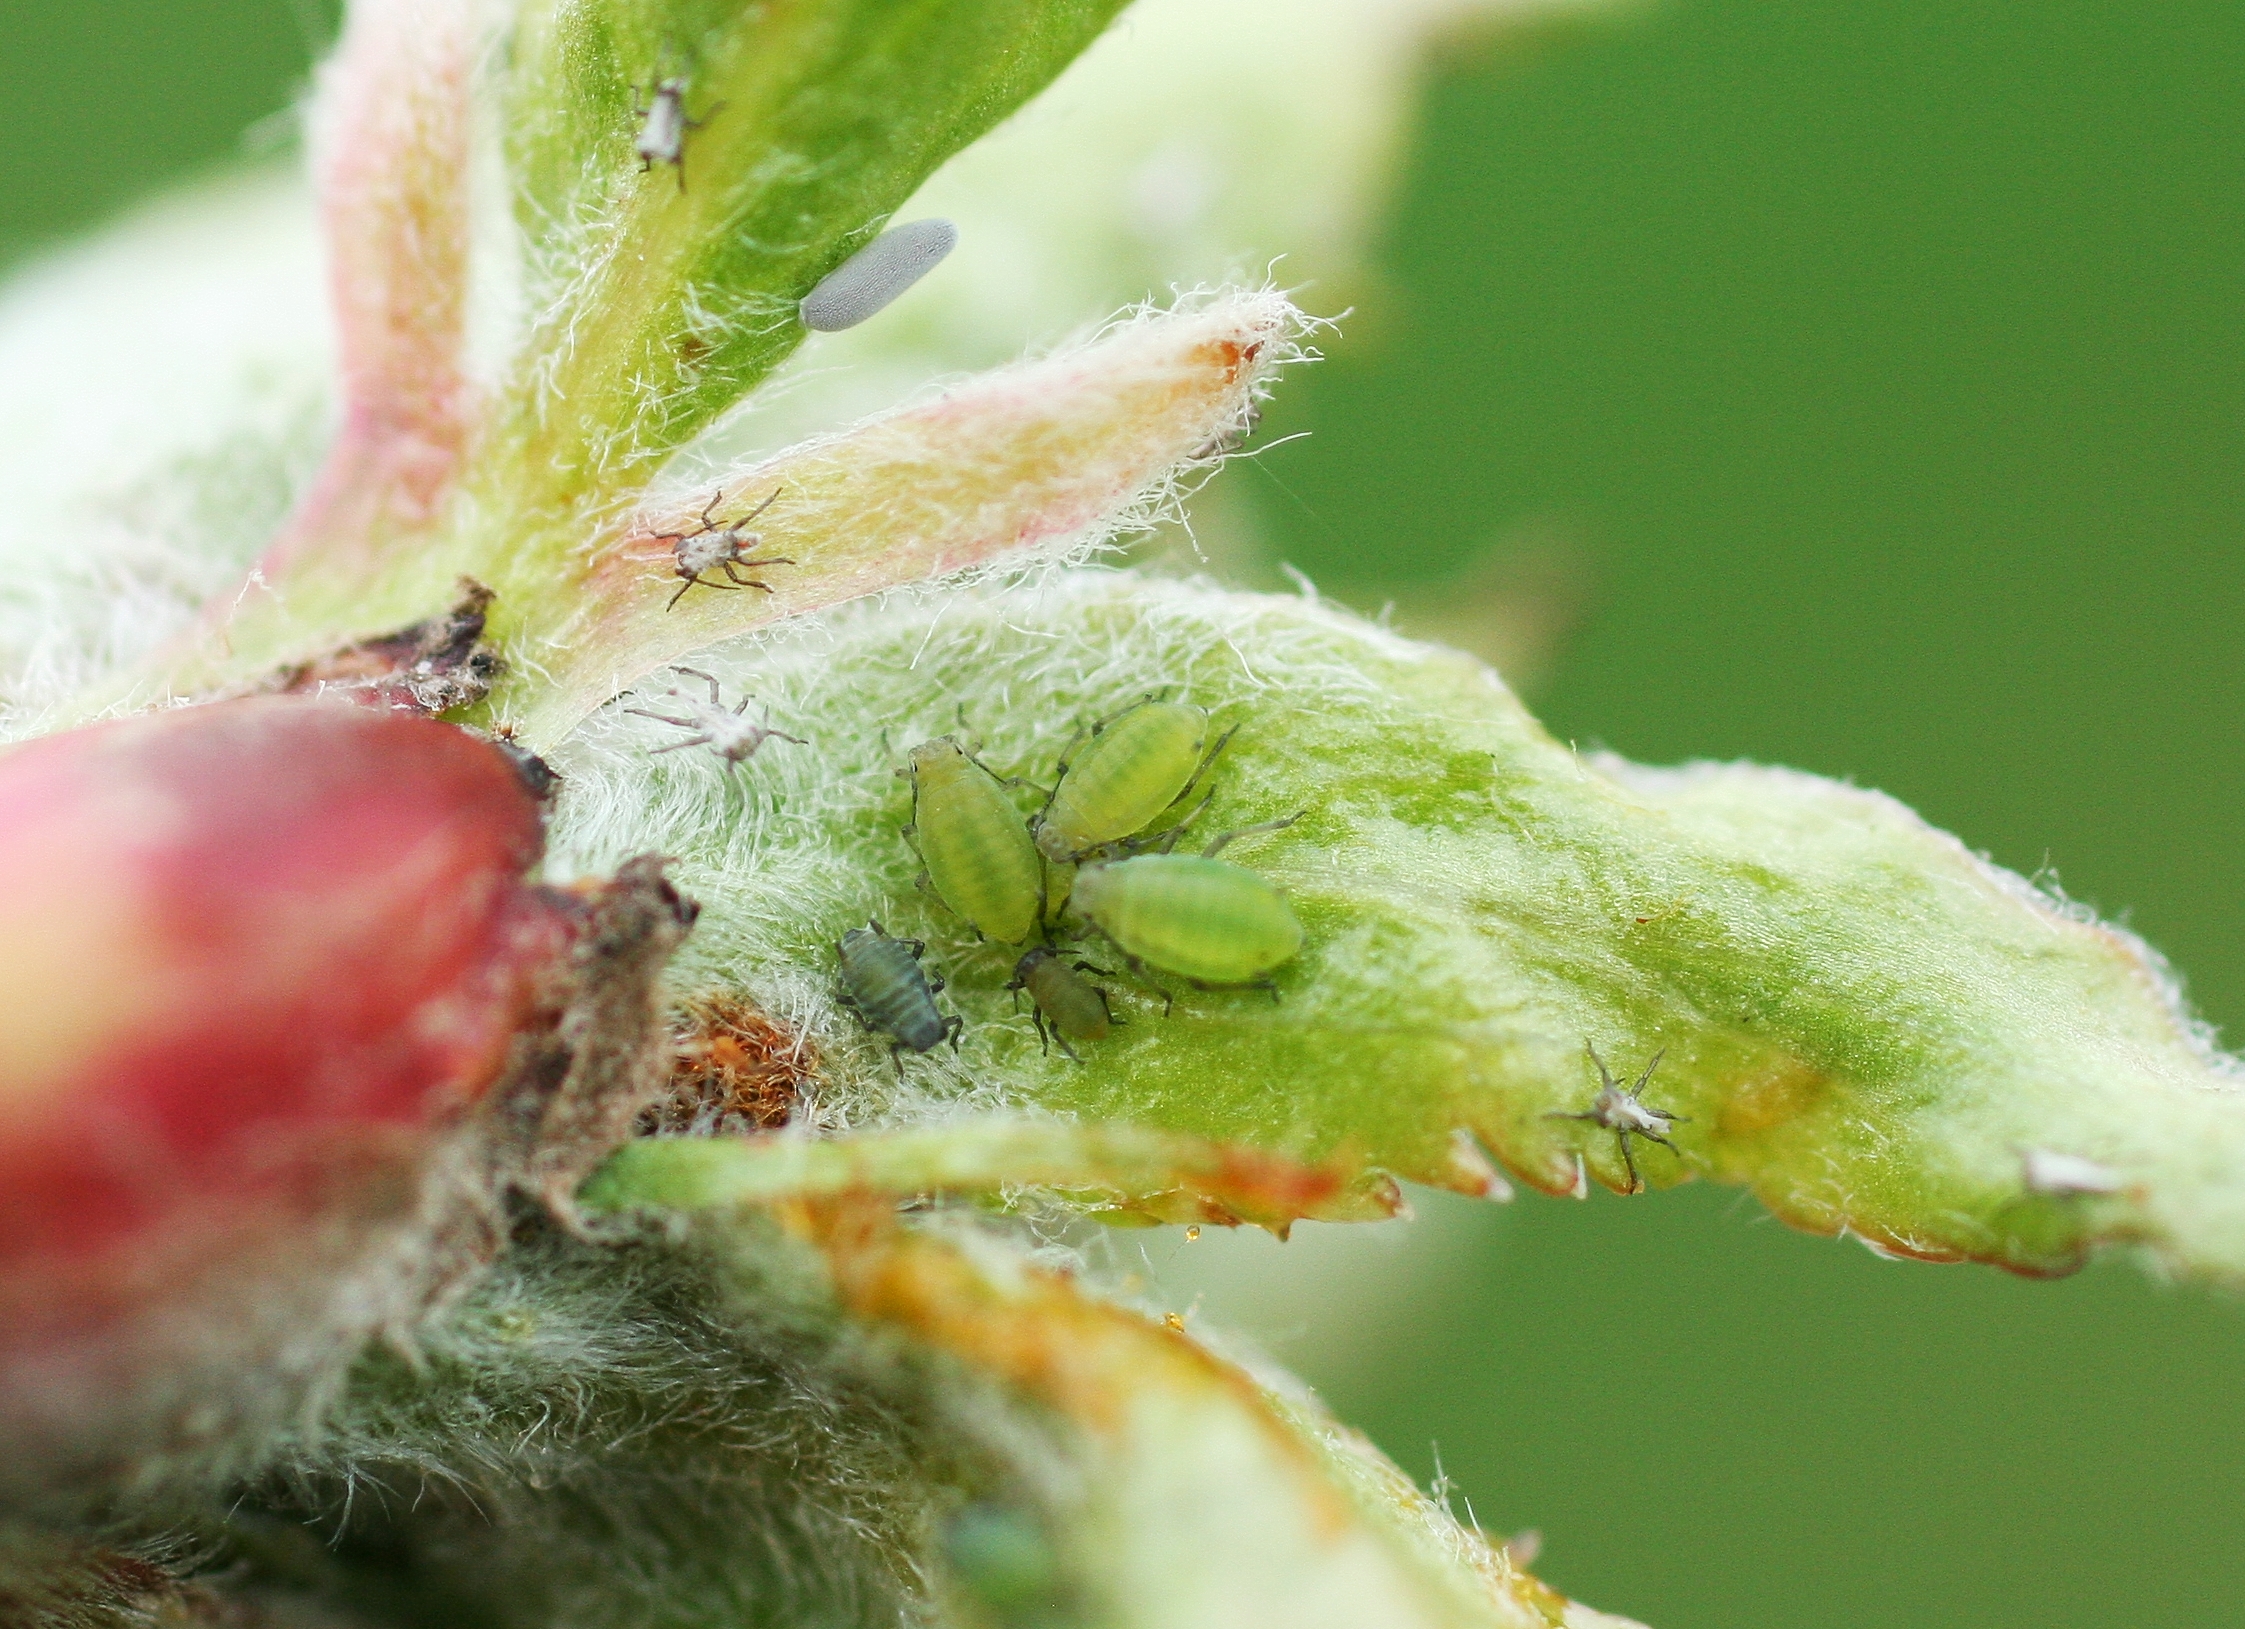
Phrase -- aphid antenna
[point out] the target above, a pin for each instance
(969, 742)
(1224, 839)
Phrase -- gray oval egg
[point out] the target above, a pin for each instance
(877, 274)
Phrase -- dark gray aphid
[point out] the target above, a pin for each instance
(877, 274)
(884, 984)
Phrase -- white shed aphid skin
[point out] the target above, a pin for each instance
(877, 274)
(726, 731)
(2065, 1176)
(1623, 1111)
(711, 547)
(663, 125)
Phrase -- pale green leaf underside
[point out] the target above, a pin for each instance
(1119, 1173)
(1865, 1023)
(663, 302)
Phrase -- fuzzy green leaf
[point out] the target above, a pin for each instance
(664, 296)
(809, 1414)
(1868, 1025)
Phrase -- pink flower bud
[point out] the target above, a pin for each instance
(260, 962)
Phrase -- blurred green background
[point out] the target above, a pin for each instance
(1855, 386)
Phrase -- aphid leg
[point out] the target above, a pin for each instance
(1207, 762)
(1138, 971)
(696, 581)
(716, 696)
(1068, 1051)
(1256, 830)
(1636, 1182)
(952, 1027)
(734, 579)
(1168, 839)
(1037, 1017)
(681, 746)
(1067, 753)
(664, 718)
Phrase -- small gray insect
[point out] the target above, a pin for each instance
(710, 547)
(883, 983)
(663, 125)
(1622, 1111)
(726, 731)
(877, 274)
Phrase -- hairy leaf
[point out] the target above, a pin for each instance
(664, 295)
(1025, 463)
(805, 1412)
(1022, 463)
(1871, 1027)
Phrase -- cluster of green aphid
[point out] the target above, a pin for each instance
(1099, 855)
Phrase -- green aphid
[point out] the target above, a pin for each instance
(1137, 765)
(1194, 915)
(977, 851)
(884, 985)
(1067, 1006)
